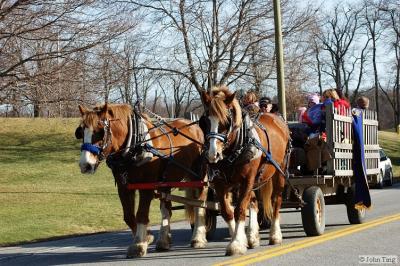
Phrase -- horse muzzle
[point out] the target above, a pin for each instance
(214, 157)
(87, 168)
(88, 162)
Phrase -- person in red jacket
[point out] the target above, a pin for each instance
(341, 104)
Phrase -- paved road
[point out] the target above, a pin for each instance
(340, 245)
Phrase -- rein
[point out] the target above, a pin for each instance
(174, 130)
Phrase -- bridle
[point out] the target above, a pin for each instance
(225, 138)
(107, 139)
(135, 135)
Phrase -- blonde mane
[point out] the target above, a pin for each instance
(116, 111)
(219, 108)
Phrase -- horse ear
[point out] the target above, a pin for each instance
(229, 99)
(205, 97)
(82, 109)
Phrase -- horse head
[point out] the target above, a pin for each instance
(103, 131)
(220, 121)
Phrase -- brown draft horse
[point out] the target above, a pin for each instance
(224, 122)
(105, 133)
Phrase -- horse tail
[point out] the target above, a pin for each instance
(266, 194)
(189, 209)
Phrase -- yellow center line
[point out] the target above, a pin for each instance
(310, 241)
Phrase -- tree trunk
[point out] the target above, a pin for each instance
(338, 76)
(36, 110)
(376, 83)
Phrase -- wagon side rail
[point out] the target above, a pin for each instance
(339, 132)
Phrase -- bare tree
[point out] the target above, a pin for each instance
(219, 41)
(38, 37)
(372, 15)
(337, 37)
(391, 21)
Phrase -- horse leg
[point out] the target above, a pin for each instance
(164, 237)
(199, 239)
(238, 245)
(275, 235)
(140, 242)
(127, 198)
(253, 236)
(224, 199)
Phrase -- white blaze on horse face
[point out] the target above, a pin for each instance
(87, 161)
(213, 154)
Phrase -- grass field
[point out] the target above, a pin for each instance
(390, 142)
(43, 194)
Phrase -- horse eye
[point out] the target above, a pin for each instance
(79, 133)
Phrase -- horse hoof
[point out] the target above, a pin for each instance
(198, 244)
(162, 245)
(254, 241)
(136, 250)
(275, 241)
(235, 248)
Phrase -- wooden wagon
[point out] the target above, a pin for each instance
(334, 183)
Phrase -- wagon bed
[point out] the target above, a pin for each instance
(336, 185)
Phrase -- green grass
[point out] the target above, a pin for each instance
(390, 142)
(42, 192)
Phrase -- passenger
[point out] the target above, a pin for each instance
(265, 104)
(300, 113)
(316, 148)
(275, 109)
(312, 99)
(362, 102)
(313, 115)
(250, 103)
(331, 96)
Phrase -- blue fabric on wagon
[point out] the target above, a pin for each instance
(362, 198)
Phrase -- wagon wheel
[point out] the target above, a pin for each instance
(355, 216)
(313, 212)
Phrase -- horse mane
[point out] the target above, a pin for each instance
(219, 108)
(116, 111)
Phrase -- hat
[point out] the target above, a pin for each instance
(314, 98)
(264, 101)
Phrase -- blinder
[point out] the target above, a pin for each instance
(204, 124)
(79, 132)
